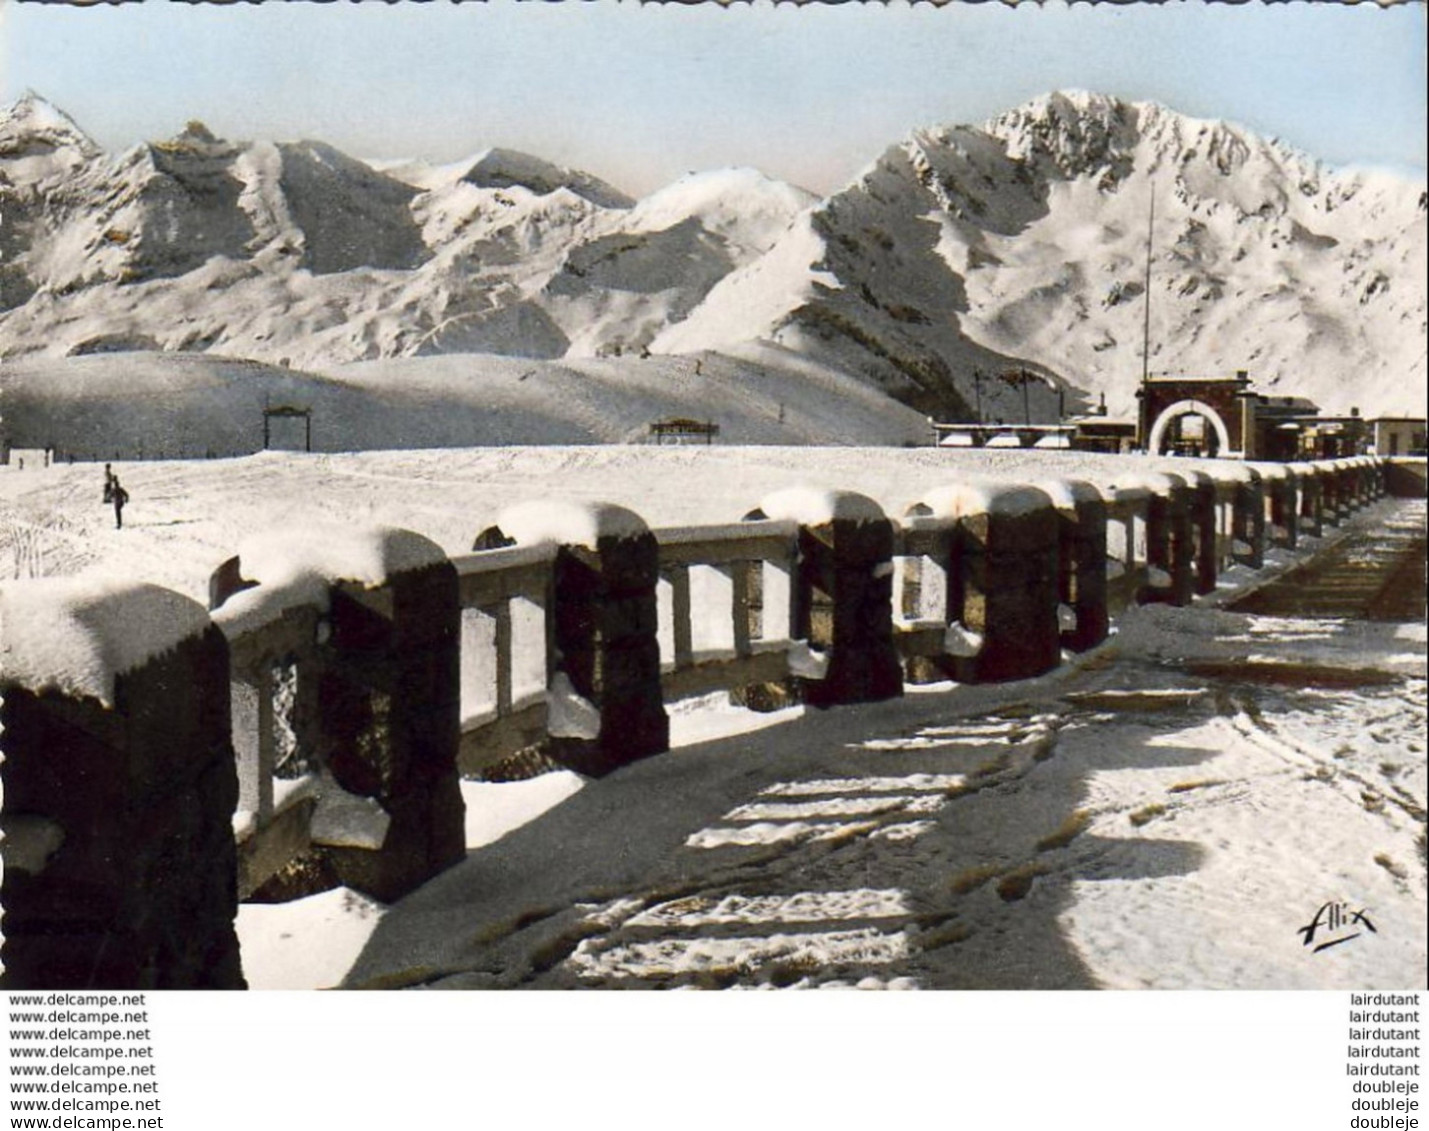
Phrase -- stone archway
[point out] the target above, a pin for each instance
(1189, 408)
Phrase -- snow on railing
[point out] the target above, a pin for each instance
(726, 614)
(725, 606)
(336, 651)
(927, 595)
(1127, 563)
(506, 651)
(361, 688)
(726, 601)
(273, 821)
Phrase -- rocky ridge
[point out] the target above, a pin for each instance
(960, 259)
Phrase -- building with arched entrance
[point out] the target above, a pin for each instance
(1197, 416)
(1224, 417)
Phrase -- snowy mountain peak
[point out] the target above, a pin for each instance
(33, 115)
(742, 205)
(1080, 132)
(1066, 104)
(198, 133)
(194, 141)
(961, 252)
(1074, 132)
(1019, 245)
(498, 168)
(39, 141)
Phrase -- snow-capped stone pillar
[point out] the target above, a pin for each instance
(1329, 491)
(1348, 475)
(1081, 575)
(1203, 510)
(1169, 550)
(1006, 603)
(1344, 498)
(1350, 487)
(391, 707)
(1376, 468)
(1282, 494)
(1248, 519)
(378, 689)
(119, 790)
(1368, 491)
(606, 707)
(1311, 485)
(843, 594)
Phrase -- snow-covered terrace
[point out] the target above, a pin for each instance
(704, 629)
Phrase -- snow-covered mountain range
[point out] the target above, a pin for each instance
(959, 255)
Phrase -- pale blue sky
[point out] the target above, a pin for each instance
(640, 94)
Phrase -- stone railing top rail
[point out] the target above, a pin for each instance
(506, 557)
(727, 543)
(721, 531)
(77, 635)
(1125, 496)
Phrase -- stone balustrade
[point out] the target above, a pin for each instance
(310, 729)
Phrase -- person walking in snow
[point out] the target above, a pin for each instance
(109, 481)
(119, 497)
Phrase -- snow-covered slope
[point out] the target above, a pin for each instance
(747, 209)
(297, 253)
(957, 261)
(1023, 243)
(155, 405)
(41, 149)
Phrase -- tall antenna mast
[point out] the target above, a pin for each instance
(1146, 323)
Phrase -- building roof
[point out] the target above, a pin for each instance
(1172, 379)
(1301, 404)
(1110, 423)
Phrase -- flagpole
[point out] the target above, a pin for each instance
(1146, 319)
(1146, 322)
